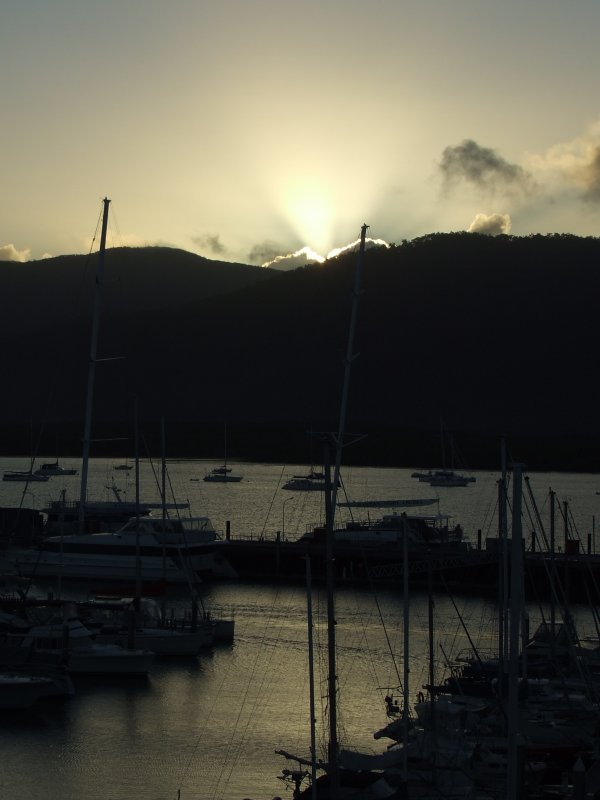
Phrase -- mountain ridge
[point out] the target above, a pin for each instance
(494, 336)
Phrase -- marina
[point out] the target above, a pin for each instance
(207, 726)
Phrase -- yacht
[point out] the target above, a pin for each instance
(443, 477)
(424, 532)
(68, 642)
(222, 475)
(314, 481)
(24, 477)
(55, 469)
(23, 687)
(171, 550)
(119, 621)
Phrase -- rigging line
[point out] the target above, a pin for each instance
(264, 527)
(464, 627)
(388, 641)
(266, 675)
(378, 607)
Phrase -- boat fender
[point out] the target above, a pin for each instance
(420, 697)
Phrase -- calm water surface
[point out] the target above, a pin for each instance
(207, 727)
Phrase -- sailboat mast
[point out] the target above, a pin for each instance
(92, 365)
(516, 607)
(332, 754)
(311, 679)
(330, 505)
(348, 363)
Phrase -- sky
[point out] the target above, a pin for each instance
(248, 130)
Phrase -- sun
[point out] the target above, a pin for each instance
(309, 213)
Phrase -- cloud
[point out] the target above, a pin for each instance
(491, 224)
(481, 167)
(9, 252)
(571, 167)
(300, 258)
(210, 242)
(354, 246)
(304, 256)
(592, 177)
(265, 252)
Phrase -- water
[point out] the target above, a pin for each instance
(208, 727)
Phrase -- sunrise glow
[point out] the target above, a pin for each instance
(309, 214)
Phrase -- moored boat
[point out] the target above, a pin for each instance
(68, 642)
(24, 477)
(443, 477)
(55, 469)
(139, 621)
(22, 688)
(173, 550)
(222, 475)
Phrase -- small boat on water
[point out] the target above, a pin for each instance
(22, 687)
(118, 621)
(55, 469)
(443, 477)
(222, 475)
(314, 481)
(69, 643)
(24, 477)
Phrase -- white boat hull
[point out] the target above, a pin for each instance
(99, 567)
(164, 642)
(108, 659)
(20, 690)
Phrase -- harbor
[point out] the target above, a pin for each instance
(207, 727)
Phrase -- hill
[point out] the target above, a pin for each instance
(494, 336)
(37, 295)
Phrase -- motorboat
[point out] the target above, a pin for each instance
(171, 550)
(68, 642)
(423, 531)
(222, 475)
(24, 477)
(139, 621)
(64, 516)
(443, 477)
(162, 641)
(314, 481)
(53, 469)
(22, 687)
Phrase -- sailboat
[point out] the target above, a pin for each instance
(222, 474)
(85, 515)
(341, 778)
(444, 477)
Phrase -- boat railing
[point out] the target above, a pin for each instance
(66, 504)
(467, 656)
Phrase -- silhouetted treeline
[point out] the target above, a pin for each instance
(492, 336)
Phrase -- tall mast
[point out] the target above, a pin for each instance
(92, 366)
(350, 356)
(330, 504)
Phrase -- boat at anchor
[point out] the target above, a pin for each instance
(172, 551)
(24, 477)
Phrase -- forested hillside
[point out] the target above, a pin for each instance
(492, 336)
